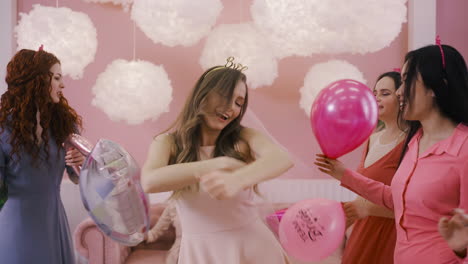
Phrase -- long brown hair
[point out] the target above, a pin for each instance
(29, 85)
(186, 130)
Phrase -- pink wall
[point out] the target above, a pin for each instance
(277, 106)
(451, 24)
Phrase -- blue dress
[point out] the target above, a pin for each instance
(33, 223)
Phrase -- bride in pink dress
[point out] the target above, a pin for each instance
(213, 165)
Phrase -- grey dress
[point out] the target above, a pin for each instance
(33, 223)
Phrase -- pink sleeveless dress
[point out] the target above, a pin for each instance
(224, 231)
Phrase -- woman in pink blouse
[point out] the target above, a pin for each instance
(432, 178)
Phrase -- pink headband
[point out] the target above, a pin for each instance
(441, 50)
(397, 70)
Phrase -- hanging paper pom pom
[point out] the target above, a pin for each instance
(69, 35)
(125, 3)
(332, 26)
(176, 22)
(322, 74)
(133, 91)
(249, 48)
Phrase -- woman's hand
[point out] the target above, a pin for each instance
(455, 231)
(329, 166)
(74, 158)
(221, 184)
(355, 210)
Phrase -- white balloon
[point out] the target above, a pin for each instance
(133, 91)
(333, 26)
(247, 46)
(69, 35)
(176, 22)
(321, 75)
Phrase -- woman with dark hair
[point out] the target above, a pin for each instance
(35, 121)
(212, 164)
(371, 222)
(432, 178)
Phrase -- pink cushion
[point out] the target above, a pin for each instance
(142, 256)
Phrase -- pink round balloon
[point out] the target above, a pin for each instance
(313, 229)
(343, 116)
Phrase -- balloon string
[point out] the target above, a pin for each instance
(240, 12)
(134, 41)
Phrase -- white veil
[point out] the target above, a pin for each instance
(300, 168)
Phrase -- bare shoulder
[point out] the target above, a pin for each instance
(258, 143)
(159, 151)
(248, 133)
(163, 139)
(246, 144)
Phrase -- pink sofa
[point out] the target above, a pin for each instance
(97, 248)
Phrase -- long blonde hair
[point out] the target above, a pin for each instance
(186, 130)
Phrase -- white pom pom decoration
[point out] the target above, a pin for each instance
(176, 22)
(247, 46)
(69, 35)
(332, 26)
(321, 75)
(133, 91)
(124, 3)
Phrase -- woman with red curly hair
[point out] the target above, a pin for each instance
(35, 121)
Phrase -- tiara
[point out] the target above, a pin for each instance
(236, 66)
(229, 64)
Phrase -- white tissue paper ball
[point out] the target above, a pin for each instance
(69, 35)
(133, 91)
(321, 75)
(176, 22)
(124, 3)
(333, 26)
(247, 46)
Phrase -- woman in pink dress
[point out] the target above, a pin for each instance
(432, 178)
(212, 164)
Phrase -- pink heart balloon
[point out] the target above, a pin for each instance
(343, 116)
